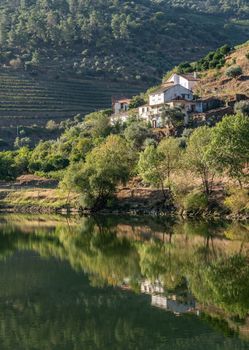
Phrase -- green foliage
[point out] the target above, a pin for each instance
(214, 59)
(156, 165)
(121, 39)
(22, 142)
(172, 117)
(136, 102)
(229, 146)
(7, 166)
(228, 281)
(197, 157)
(105, 167)
(13, 164)
(80, 148)
(98, 124)
(195, 201)
(234, 71)
(184, 67)
(151, 167)
(136, 133)
(51, 125)
(45, 158)
(242, 107)
(238, 201)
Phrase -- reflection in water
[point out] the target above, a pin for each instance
(196, 270)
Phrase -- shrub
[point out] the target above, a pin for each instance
(242, 107)
(22, 142)
(234, 71)
(51, 125)
(136, 102)
(195, 201)
(247, 55)
(238, 201)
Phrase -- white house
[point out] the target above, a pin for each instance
(169, 92)
(186, 80)
(120, 105)
(176, 92)
(170, 95)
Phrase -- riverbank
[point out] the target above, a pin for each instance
(35, 195)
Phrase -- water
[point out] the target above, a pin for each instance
(120, 283)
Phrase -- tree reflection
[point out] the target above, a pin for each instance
(205, 259)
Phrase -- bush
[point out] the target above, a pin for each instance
(234, 71)
(51, 125)
(238, 201)
(242, 107)
(195, 201)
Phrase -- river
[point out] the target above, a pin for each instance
(123, 283)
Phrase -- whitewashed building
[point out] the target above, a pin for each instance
(176, 92)
(186, 80)
(120, 105)
(169, 92)
(170, 95)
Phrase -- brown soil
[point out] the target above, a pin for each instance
(216, 83)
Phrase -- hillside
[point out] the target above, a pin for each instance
(216, 82)
(27, 99)
(115, 38)
(27, 103)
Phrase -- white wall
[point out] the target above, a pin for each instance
(156, 99)
(172, 93)
(118, 107)
(178, 79)
(177, 91)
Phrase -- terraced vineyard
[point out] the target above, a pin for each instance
(24, 97)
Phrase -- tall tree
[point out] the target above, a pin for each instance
(105, 167)
(197, 157)
(230, 147)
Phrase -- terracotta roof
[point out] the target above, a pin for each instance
(124, 100)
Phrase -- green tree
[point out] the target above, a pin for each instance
(105, 167)
(171, 152)
(234, 71)
(242, 107)
(197, 158)
(8, 168)
(172, 116)
(98, 124)
(136, 102)
(229, 146)
(157, 164)
(136, 133)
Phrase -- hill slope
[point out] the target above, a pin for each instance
(115, 38)
(25, 99)
(216, 82)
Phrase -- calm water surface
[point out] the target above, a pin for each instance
(119, 283)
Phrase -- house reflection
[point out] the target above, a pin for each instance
(177, 304)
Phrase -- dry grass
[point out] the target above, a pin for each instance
(53, 198)
(217, 83)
